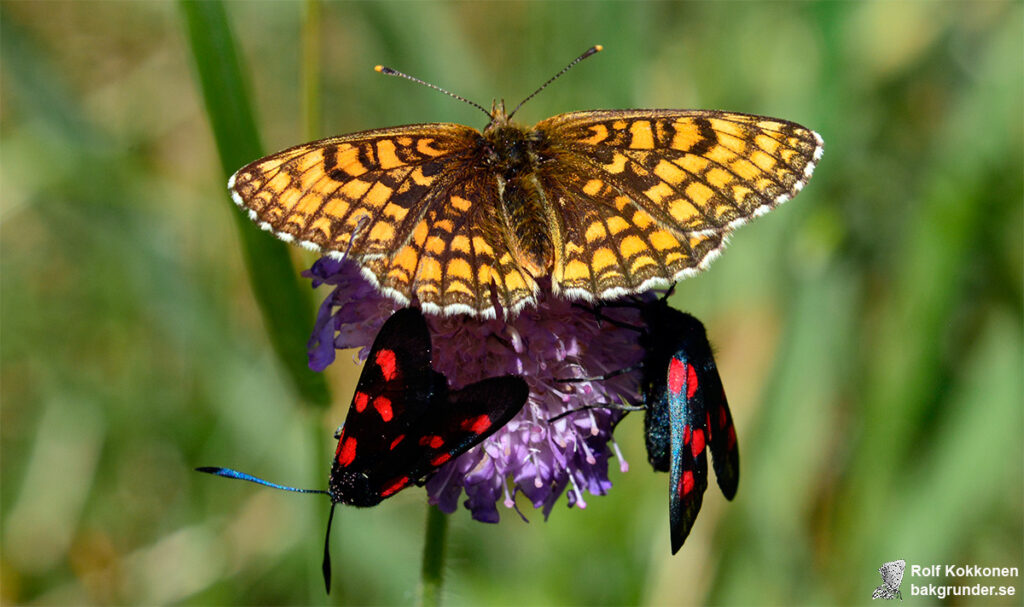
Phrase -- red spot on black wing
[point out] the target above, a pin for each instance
(477, 425)
(346, 450)
(691, 380)
(689, 481)
(431, 440)
(395, 442)
(686, 483)
(395, 486)
(464, 419)
(388, 363)
(676, 375)
(688, 467)
(383, 406)
(697, 446)
(360, 400)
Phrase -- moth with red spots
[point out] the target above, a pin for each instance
(404, 421)
(685, 410)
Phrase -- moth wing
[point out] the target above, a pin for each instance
(394, 391)
(464, 419)
(688, 473)
(722, 442)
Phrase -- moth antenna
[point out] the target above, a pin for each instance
(590, 51)
(387, 71)
(327, 550)
(229, 473)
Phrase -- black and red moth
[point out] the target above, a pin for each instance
(685, 410)
(404, 422)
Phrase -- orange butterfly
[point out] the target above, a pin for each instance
(605, 202)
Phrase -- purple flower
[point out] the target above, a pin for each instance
(553, 341)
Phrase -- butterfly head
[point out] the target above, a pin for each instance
(499, 117)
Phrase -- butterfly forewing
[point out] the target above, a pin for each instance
(691, 170)
(892, 577)
(688, 476)
(892, 573)
(393, 392)
(672, 184)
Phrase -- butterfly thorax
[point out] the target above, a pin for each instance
(353, 487)
(512, 154)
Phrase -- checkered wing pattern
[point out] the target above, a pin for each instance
(404, 202)
(648, 197)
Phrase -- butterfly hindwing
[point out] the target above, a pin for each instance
(626, 249)
(460, 420)
(721, 433)
(457, 255)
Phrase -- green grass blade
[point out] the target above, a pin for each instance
(283, 301)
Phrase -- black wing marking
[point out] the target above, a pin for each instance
(394, 388)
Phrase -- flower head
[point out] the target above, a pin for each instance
(556, 340)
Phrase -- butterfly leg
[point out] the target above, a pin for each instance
(618, 323)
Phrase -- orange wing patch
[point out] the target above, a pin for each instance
(607, 202)
(650, 196)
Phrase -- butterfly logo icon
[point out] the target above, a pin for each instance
(892, 577)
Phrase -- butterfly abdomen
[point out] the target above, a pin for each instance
(657, 426)
(511, 154)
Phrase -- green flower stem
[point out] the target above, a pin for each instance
(311, 69)
(310, 102)
(285, 305)
(433, 557)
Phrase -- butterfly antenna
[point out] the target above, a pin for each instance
(327, 550)
(590, 51)
(229, 473)
(387, 71)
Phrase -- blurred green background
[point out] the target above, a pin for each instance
(869, 333)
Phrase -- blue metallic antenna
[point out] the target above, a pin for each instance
(229, 473)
